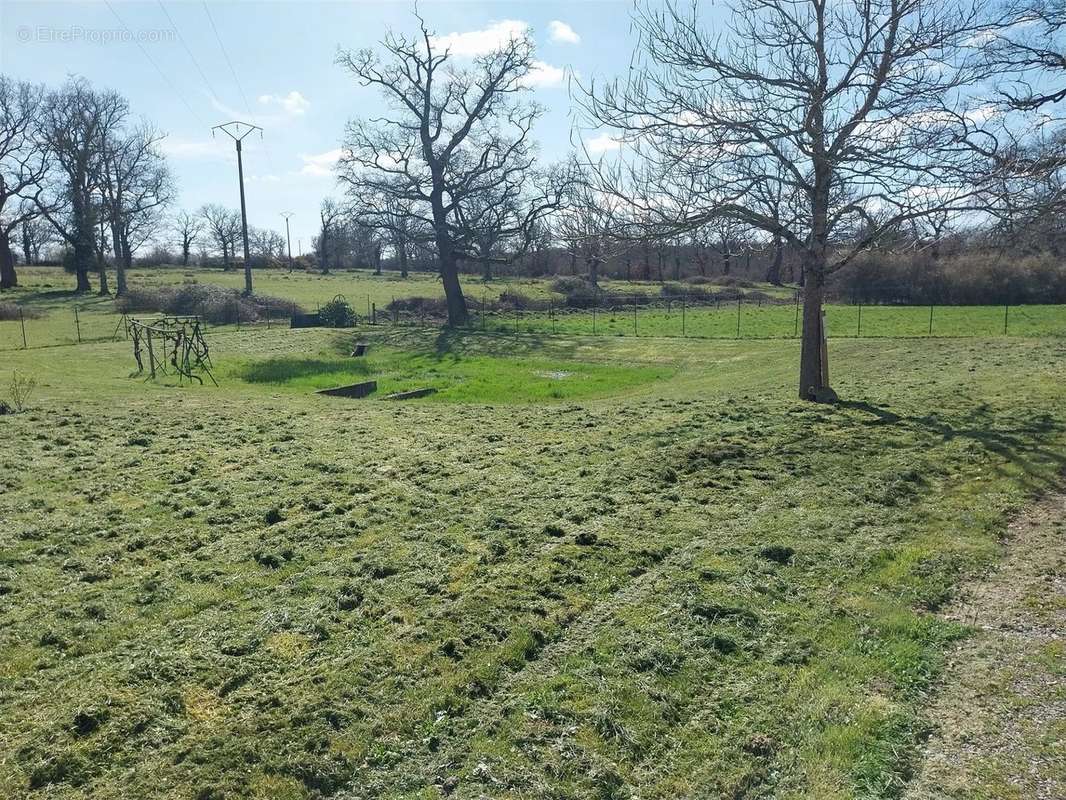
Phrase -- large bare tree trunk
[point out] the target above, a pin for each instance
(122, 263)
(449, 265)
(84, 246)
(594, 271)
(83, 259)
(104, 289)
(773, 272)
(120, 267)
(8, 278)
(449, 273)
(814, 366)
(401, 253)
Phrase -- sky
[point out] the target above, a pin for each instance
(186, 66)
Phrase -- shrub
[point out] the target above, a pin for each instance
(10, 311)
(431, 306)
(215, 304)
(22, 388)
(968, 279)
(512, 299)
(337, 313)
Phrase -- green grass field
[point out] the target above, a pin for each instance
(51, 318)
(588, 567)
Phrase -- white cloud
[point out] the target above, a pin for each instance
(321, 165)
(265, 179)
(293, 103)
(561, 32)
(603, 143)
(545, 76)
(487, 40)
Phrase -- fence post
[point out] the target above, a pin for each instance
(796, 324)
(739, 298)
(858, 331)
(237, 313)
(683, 296)
(22, 319)
(551, 309)
(1006, 310)
(151, 352)
(930, 320)
(373, 313)
(593, 317)
(516, 320)
(77, 323)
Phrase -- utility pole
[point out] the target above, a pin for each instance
(300, 246)
(288, 239)
(236, 135)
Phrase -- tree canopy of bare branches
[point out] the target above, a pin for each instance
(23, 165)
(136, 186)
(1028, 49)
(455, 134)
(224, 228)
(76, 120)
(822, 124)
(187, 229)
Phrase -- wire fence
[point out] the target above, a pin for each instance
(663, 317)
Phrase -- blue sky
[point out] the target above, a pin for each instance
(177, 76)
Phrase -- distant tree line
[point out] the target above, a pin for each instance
(76, 170)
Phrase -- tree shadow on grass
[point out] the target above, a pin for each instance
(285, 370)
(1033, 446)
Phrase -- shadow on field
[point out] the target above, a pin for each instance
(458, 343)
(283, 370)
(1010, 439)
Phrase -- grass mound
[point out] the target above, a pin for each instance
(216, 304)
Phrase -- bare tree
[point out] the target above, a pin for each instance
(266, 247)
(75, 120)
(23, 165)
(587, 227)
(224, 227)
(330, 215)
(1027, 51)
(859, 110)
(490, 217)
(136, 186)
(36, 234)
(455, 134)
(187, 229)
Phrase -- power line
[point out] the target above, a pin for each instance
(144, 52)
(181, 39)
(236, 80)
(225, 54)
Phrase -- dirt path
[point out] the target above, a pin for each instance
(1000, 716)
